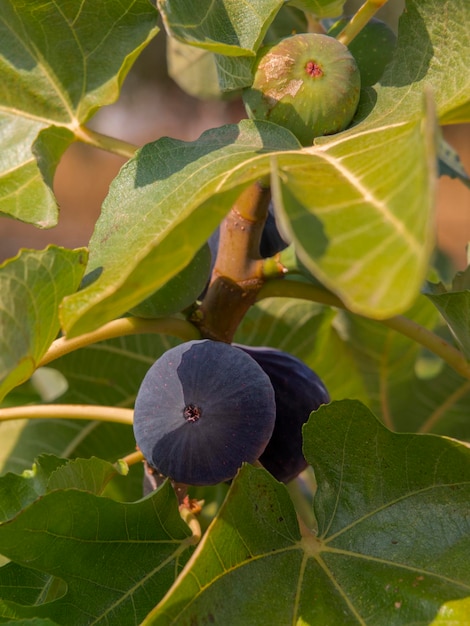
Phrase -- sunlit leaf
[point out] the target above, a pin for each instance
(360, 224)
(160, 210)
(49, 90)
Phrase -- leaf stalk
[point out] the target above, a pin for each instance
(117, 328)
(68, 411)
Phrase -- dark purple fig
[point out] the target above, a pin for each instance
(271, 241)
(298, 391)
(308, 83)
(204, 408)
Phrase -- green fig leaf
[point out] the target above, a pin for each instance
(382, 503)
(454, 306)
(48, 474)
(227, 28)
(440, 67)
(48, 91)
(140, 548)
(193, 69)
(329, 233)
(161, 209)
(32, 286)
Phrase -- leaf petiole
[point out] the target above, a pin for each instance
(118, 328)
(68, 411)
(105, 142)
(359, 20)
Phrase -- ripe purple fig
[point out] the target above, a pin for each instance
(298, 391)
(308, 83)
(203, 408)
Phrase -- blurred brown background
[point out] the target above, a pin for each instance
(152, 106)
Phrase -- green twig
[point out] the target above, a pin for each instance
(359, 20)
(68, 411)
(118, 328)
(292, 289)
(104, 142)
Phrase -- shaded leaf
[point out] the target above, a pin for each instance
(233, 73)
(121, 557)
(32, 286)
(179, 292)
(454, 306)
(193, 69)
(430, 56)
(49, 90)
(383, 505)
(228, 27)
(49, 473)
(161, 209)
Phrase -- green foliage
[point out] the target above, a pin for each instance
(49, 90)
(32, 286)
(372, 520)
(376, 530)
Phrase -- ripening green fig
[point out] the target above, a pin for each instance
(308, 83)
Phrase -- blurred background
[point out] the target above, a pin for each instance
(151, 106)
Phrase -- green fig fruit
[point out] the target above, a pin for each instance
(308, 83)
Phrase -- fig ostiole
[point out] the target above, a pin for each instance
(308, 83)
(298, 391)
(203, 409)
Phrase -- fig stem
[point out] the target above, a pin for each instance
(117, 328)
(133, 458)
(359, 20)
(68, 411)
(407, 327)
(314, 25)
(238, 271)
(104, 142)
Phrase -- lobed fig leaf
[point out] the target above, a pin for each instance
(203, 409)
(308, 83)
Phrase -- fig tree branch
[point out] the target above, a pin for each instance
(238, 271)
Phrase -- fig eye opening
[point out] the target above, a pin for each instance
(191, 413)
(313, 69)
